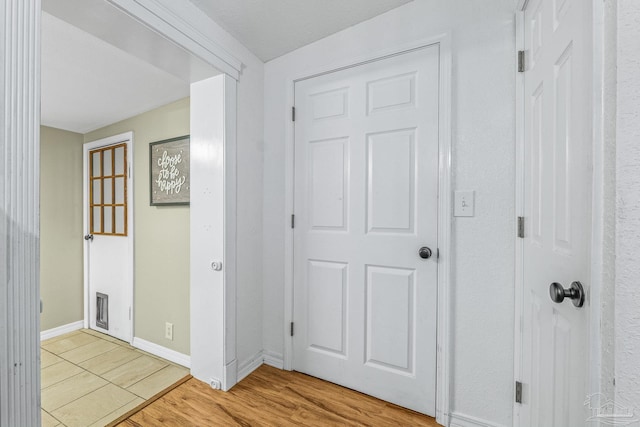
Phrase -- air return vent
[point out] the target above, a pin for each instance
(102, 311)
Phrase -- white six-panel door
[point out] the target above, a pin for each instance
(557, 204)
(366, 198)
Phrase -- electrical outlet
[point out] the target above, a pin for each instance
(168, 331)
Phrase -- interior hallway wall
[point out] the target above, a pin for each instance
(627, 295)
(61, 279)
(161, 233)
(483, 42)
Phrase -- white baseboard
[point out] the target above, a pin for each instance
(254, 362)
(164, 352)
(462, 420)
(273, 359)
(61, 330)
(250, 365)
(230, 375)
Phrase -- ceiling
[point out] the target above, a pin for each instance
(88, 83)
(271, 28)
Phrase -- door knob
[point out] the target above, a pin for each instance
(425, 252)
(575, 293)
(89, 237)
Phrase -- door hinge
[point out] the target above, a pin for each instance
(521, 227)
(293, 114)
(521, 62)
(437, 253)
(518, 392)
(291, 331)
(293, 221)
(129, 313)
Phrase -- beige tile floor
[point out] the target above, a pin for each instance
(89, 379)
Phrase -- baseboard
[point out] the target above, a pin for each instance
(273, 359)
(164, 352)
(250, 365)
(61, 330)
(462, 420)
(230, 375)
(254, 362)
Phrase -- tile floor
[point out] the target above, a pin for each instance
(90, 379)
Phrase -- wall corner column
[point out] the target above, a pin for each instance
(213, 231)
(19, 213)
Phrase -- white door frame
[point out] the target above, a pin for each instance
(598, 216)
(443, 363)
(86, 147)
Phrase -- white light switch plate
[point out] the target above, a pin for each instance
(464, 204)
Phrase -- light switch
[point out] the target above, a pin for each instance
(464, 203)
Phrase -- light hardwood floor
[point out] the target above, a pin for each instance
(271, 397)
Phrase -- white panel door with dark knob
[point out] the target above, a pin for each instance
(557, 212)
(365, 238)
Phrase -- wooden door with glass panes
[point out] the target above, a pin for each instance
(108, 232)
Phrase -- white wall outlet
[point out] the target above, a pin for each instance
(168, 331)
(464, 204)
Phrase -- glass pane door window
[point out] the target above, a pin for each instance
(108, 190)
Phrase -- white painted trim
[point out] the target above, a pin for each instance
(61, 330)
(462, 420)
(444, 206)
(177, 22)
(20, 213)
(230, 232)
(230, 375)
(369, 57)
(87, 146)
(519, 211)
(262, 357)
(521, 5)
(248, 366)
(598, 208)
(163, 352)
(273, 359)
(444, 309)
(213, 230)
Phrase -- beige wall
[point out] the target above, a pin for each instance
(161, 233)
(61, 282)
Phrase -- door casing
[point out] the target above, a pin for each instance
(598, 216)
(443, 360)
(128, 137)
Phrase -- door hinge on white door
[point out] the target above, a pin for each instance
(293, 114)
(521, 61)
(293, 221)
(291, 331)
(518, 392)
(521, 227)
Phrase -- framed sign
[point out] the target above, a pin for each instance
(169, 171)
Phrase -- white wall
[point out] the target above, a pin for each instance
(627, 298)
(249, 196)
(249, 205)
(483, 40)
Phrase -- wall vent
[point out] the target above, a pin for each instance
(102, 311)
